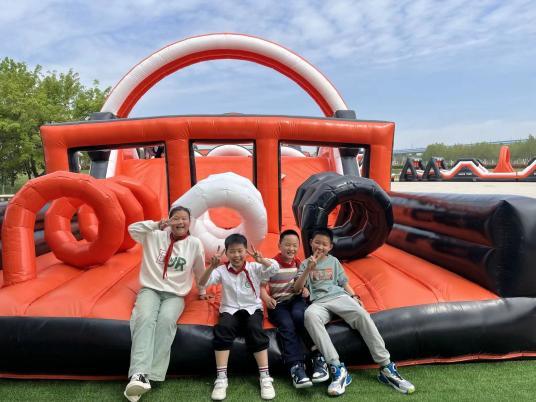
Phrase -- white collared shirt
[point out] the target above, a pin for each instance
(236, 293)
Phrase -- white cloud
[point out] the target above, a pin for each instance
(104, 39)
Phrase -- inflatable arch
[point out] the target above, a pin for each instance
(181, 54)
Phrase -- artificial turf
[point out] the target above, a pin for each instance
(499, 381)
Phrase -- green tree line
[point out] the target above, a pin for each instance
(30, 98)
(520, 152)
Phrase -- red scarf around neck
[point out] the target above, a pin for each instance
(294, 263)
(231, 269)
(169, 250)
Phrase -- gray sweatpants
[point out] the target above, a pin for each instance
(320, 313)
(153, 326)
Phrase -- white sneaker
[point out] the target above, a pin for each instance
(139, 384)
(132, 398)
(267, 389)
(219, 393)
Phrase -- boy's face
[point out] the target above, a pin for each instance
(289, 247)
(236, 254)
(321, 244)
(180, 223)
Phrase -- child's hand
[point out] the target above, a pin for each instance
(206, 297)
(257, 256)
(305, 292)
(313, 259)
(271, 303)
(216, 259)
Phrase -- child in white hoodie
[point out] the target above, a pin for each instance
(169, 262)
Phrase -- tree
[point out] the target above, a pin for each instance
(30, 98)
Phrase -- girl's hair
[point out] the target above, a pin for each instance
(179, 208)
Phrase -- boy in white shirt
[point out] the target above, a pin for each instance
(241, 310)
(169, 262)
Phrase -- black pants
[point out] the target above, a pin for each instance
(240, 323)
(288, 318)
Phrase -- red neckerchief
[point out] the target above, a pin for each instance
(232, 271)
(294, 264)
(170, 249)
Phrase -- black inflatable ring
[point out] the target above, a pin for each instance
(365, 218)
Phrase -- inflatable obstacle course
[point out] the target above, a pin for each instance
(412, 170)
(431, 300)
(471, 169)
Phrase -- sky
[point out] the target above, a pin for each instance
(448, 71)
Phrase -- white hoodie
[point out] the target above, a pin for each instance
(186, 258)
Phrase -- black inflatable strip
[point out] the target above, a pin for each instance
(449, 230)
(84, 346)
(466, 259)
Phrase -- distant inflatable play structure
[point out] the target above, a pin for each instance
(445, 278)
(467, 170)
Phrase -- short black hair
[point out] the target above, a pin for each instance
(236, 238)
(323, 232)
(180, 208)
(288, 232)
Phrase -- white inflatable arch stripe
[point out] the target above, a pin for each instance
(171, 58)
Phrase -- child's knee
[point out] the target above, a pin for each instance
(311, 318)
(168, 322)
(144, 315)
(298, 319)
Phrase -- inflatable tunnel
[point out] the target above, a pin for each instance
(445, 278)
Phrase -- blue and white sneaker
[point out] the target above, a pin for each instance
(340, 379)
(389, 375)
(320, 369)
(299, 377)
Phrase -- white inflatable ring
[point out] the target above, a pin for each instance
(289, 151)
(231, 191)
(229, 150)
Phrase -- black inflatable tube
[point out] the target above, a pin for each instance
(97, 347)
(367, 213)
(305, 190)
(448, 224)
(476, 218)
(467, 259)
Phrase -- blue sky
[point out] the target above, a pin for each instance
(443, 71)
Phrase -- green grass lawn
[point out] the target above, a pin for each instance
(501, 381)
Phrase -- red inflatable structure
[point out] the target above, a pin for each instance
(474, 170)
(65, 314)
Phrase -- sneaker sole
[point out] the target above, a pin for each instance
(343, 388)
(132, 398)
(337, 393)
(268, 397)
(218, 398)
(320, 379)
(303, 385)
(136, 390)
(387, 382)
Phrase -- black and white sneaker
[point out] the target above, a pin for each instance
(299, 377)
(139, 384)
(320, 369)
